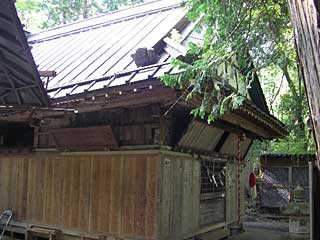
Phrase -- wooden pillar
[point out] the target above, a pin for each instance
(35, 137)
(290, 181)
(311, 206)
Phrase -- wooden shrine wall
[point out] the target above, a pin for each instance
(106, 193)
(232, 192)
(179, 210)
(180, 199)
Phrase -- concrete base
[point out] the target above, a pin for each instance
(215, 234)
(259, 234)
(236, 229)
(298, 236)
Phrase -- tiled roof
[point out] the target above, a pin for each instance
(95, 53)
(19, 79)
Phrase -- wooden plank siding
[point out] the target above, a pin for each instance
(141, 194)
(179, 196)
(232, 192)
(110, 194)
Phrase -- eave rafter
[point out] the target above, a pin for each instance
(20, 83)
(9, 80)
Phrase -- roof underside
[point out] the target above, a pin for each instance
(20, 83)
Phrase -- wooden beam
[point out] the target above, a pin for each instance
(18, 97)
(232, 128)
(125, 99)
(246, 124)
(47, 73)
(22, 78)
(221, 141)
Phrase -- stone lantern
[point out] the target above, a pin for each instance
(298, 212)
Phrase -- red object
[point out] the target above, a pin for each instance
(252, 180)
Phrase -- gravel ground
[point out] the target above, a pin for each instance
(260, 226)
(260, 234)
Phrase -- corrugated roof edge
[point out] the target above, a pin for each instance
(103, 20)
(116, 75)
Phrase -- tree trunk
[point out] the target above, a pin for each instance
(85, 9)
(306, 22)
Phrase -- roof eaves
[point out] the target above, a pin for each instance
(16, 59)
(273, 122)
(107, 78)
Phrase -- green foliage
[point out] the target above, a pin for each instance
(292, 109)
(40, 14)
(254, 37)
(257, 148)
(237, 33)
(29, 13)
(27, 5)
(61, 11)
(111, 5)
(287, 100)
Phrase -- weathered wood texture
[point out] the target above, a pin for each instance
(179, 210)
(137, 126)
(230, 146)
(200, 137)
(231, 196)
(232, 193)
(114, 194)
(212, 211)
(180, 197)
(306, 22)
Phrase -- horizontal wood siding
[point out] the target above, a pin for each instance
(137, 126)
(179, 204)
(114, 194)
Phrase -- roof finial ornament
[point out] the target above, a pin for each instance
(175, 35)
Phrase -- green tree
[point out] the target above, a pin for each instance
(61, 11)
(254, 37)
(28, 11)
(111, 5)
(292, 109)
(51, 13)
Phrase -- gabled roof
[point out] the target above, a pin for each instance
(20, 83)
(97, 53)
(102, 46)
(93, 59)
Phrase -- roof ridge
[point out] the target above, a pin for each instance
(89, 23)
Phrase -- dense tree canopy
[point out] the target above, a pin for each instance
(37, 14)
(255, 37)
